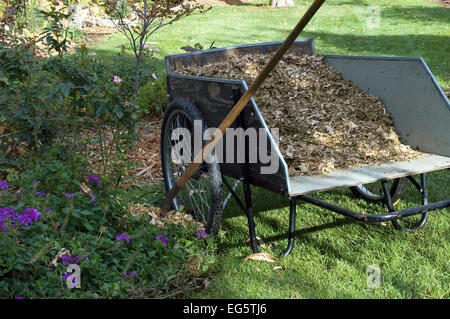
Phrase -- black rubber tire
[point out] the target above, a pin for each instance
(397, 189)
(214, 220)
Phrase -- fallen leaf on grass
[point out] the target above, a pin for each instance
(260, 257)
(260, 241)
(277, 268)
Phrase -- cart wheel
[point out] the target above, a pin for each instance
(373, 192)
(202, 194)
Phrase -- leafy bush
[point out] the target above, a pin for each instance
(51, 102)
(152, 97)
(120, 256)
(31, 114)
(54, 112)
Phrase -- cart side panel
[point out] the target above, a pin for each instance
(419, 108)
(215, 99)
(175, 62)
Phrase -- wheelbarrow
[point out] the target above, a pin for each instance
(419, 108)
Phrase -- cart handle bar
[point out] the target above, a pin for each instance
(229, 119)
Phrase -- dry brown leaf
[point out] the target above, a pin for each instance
(145, 170)
(260, 241)
(260, 257)
(86, 190)
(63, 252)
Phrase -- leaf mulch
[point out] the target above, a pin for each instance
(326, 123)
(145, 157)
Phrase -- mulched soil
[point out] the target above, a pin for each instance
(325, 122)
(146, 154)
(94, 36)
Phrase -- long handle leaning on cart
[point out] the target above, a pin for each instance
(226, 123)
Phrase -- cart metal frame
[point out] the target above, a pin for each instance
(387, 77)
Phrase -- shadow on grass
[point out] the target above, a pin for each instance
(266, 201)
(423, 14)
(239, 3)
(430, 47)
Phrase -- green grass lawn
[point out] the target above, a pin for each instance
(331, 253)
(407, 28)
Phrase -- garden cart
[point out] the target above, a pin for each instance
(419, 109)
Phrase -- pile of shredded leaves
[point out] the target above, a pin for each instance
(325, 122)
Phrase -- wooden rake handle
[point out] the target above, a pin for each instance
(229, 119)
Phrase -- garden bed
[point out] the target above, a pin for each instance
(145, 156)
(326, 123)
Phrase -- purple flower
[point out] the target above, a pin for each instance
(7, 214)
(201, 232)
(66, 275)
(93, 199)
(162, 238)
(48, 210)
(123, 237)
(42, 193)
(69, 195)
(68, 259)
(4, 185)
(117, 79)
(28, 216)
(94, 53)
(130, 275)
(94, 179)
(12, 217)
(154, 76)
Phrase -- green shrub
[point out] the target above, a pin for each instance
(152, 97)
(90, 229)
(50, 102)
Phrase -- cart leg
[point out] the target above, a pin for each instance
(423, 178)
(387, 196)
(250, 215)
(423, 189)
(291, 234)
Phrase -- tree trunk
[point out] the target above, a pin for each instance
(136, 77)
